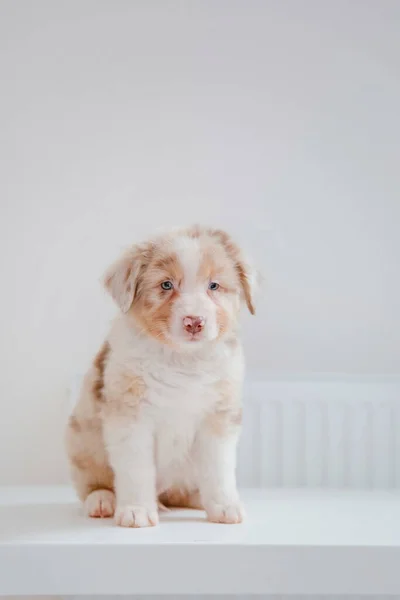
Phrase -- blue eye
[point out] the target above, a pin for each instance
(167, 285)
(213, 286)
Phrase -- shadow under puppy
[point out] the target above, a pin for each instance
(159, 413)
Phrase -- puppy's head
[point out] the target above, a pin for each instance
(184, 288)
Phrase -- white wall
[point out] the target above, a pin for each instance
(277, 119)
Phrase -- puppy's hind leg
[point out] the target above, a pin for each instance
(91, 474)
(180, 498)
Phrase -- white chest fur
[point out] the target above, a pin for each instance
(181, 390)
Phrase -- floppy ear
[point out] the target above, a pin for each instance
(248, 276)
(122, 278)
(248, 279)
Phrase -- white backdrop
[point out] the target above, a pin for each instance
(276, 119)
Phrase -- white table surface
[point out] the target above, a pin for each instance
(293, 541)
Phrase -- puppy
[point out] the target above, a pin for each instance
(159, 414)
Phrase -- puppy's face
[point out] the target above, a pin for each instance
(184, 288)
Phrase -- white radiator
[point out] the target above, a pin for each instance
(321, 433)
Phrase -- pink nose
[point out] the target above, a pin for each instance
(193, 324)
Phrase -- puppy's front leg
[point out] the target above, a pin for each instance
(130, 448)
(216, 456)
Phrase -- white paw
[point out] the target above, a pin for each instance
(136, 516)
(225, 513)
(100, 504)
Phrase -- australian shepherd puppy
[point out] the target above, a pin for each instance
(159, 415)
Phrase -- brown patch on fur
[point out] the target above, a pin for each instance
(133, 385)
(226, 241)
(169, 265)
(84, 424)
(83, 461)
(180, 498)
(125, 393)
(228, 412)
(216, 265)
(223, 421)
(223, 321)
(137, 387)
(155, 320)
(99, 365)
(74, 424)
(153, 306)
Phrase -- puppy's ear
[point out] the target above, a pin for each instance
(248, 276)
(248, 279)
(122, 278)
